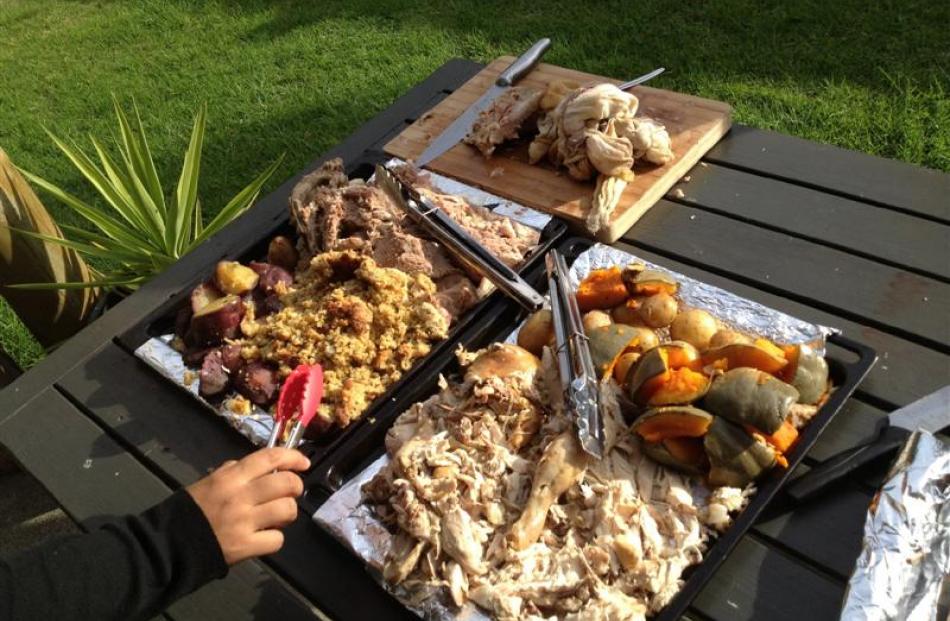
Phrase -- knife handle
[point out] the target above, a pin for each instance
(524, 63)
(841, 465)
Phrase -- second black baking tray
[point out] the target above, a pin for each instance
(359, 450)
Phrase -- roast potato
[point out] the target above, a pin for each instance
(595, 319)
(695, 326)
(258, 382)
(271, 276)
(623, 364)
(202, 295)
(282, 253)
(727, 337)
(213, 378)
(216, 321)
(233, 278)
(658, 310)
(537, 331)
(628, 313)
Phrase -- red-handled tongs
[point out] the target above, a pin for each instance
(299, 399)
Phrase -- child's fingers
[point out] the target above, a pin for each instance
(267, 460)
(274, 485)
(275, 514)
(265, 542)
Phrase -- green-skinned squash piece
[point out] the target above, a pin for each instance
(751, 397)
(735, 458)
(811, 375)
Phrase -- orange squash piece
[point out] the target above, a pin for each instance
(601, 289)
(686, 450)
(663, 425)
(782, 440)
(681, 385)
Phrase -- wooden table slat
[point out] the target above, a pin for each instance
(890, 299)
(835, 170)
(885, 235)
(758, 582)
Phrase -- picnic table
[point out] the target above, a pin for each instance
(828, 235)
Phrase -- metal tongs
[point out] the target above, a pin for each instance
(456, 240)
(578, 377)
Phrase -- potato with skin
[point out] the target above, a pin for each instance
(537, 331)
(282, 253)
(695, 326)
(233, 278)
(216, 321)
(622, 367)
(658, 310)
(727, 337)
(595, 319)
(648, 338)
(628, 313)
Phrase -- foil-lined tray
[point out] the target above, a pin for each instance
(903, 571)
(254, 422)
(354, 524)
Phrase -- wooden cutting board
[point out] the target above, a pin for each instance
(694, 124)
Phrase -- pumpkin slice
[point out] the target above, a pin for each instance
(601, 289)
(753, 356)
(807, 371)
(683, 454)
(659, 424)
(608, 343)
(642, 281)
(667, 366)
(679, 386)
(783, 439)
(735, 457)
(748, 396)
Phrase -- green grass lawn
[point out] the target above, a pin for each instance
(298, 77)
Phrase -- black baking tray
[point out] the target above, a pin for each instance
(359, 450)
(161, 319)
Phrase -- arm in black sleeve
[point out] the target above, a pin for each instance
(131, 568)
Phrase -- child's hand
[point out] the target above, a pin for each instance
(246, 501)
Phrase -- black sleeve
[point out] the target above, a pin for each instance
(130, 568)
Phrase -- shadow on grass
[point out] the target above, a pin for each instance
(803, 42)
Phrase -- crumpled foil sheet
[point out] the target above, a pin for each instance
(355, 525)
(739, 313)
(903, 571)
(158, 354)
(257, 425)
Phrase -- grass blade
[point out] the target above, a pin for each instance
(237, 205)
(187, 192)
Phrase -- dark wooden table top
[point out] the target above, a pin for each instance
(829, 235)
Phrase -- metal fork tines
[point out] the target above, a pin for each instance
(578, 376)
(457, 241)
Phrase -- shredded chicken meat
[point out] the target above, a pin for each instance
(503, 119)
(332, 214)
(493, 503)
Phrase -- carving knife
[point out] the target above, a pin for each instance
(452, 134)
(930, 413)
